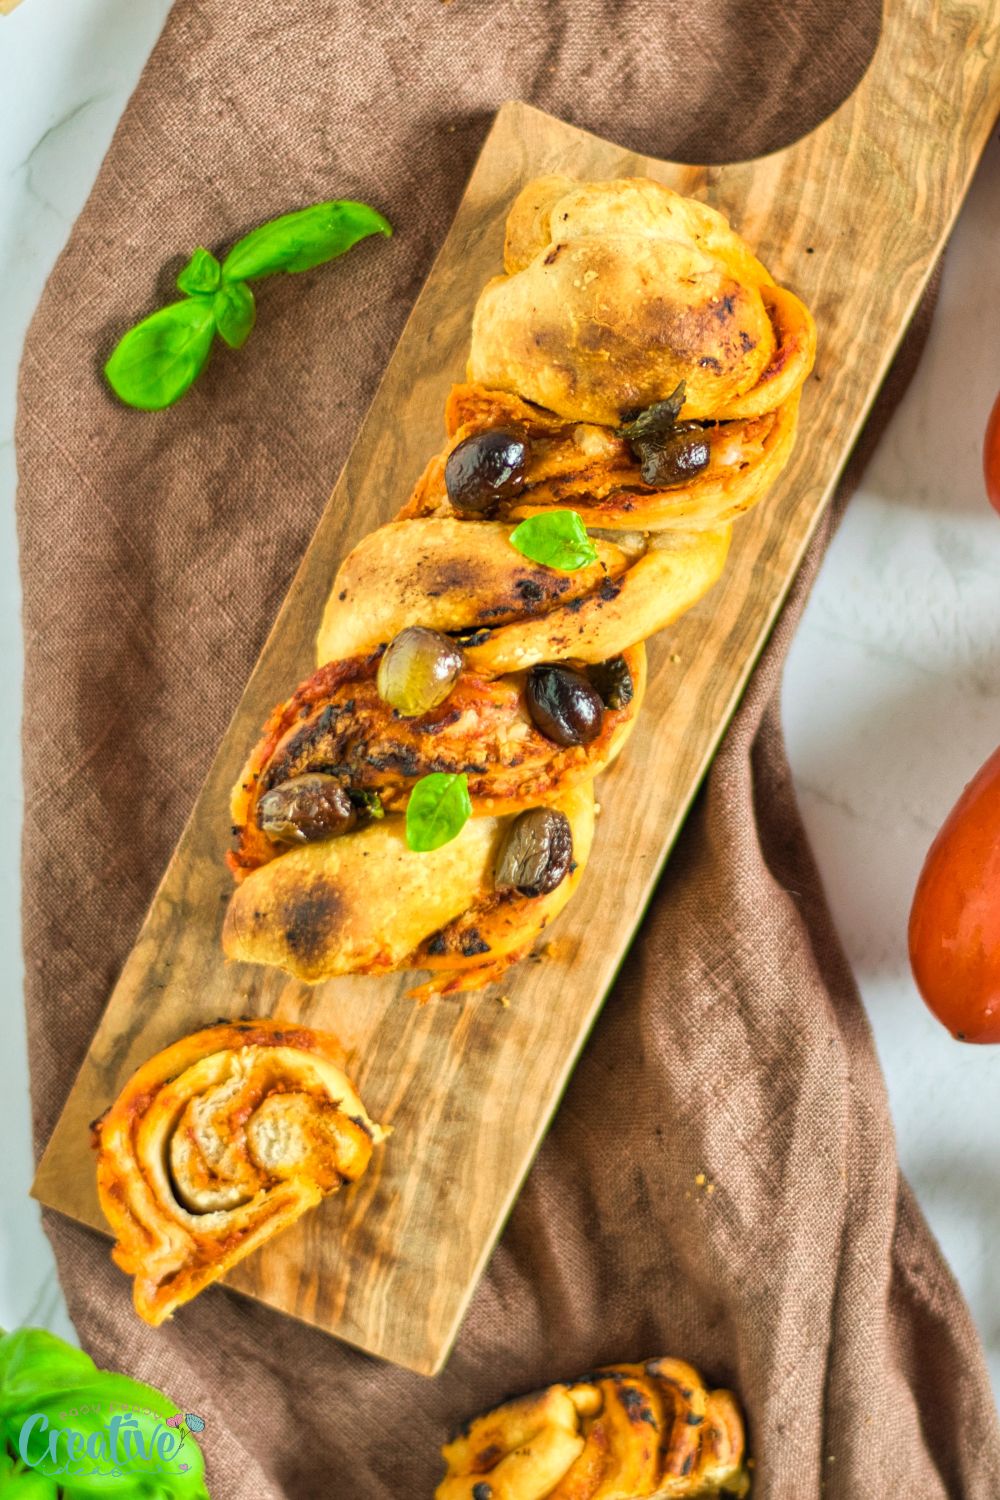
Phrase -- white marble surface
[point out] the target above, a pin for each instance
(891, 698)
(891, 702)
(67, 68)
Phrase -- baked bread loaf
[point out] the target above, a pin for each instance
(635, 372)
(217, 1144)
(628, 1432)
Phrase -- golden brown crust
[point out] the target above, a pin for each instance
(449, 575)
(672, 574)
(500, 928)
(218, 1143)
(366, 903)
(587, 616)
(591, 470)
(628, 1432)
(614, 292)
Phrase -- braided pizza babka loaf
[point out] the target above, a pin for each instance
(628, 1432)
(424, 800)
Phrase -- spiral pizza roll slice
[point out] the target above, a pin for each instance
(336, 752)
(465, 578)
(217, 1144)
(693, 474)
(629, 1432)
(616, 292)
(369, 904)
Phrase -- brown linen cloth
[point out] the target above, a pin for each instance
(156, 549)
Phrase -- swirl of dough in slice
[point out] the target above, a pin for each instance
(217, 1144)
(628, 1432)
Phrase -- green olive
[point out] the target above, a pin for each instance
(418, 670)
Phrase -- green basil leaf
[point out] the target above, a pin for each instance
(158, 359)
(34, 1363)
(301, 240)
(19, 1483)
(202, 273)
(110, 1432)
(438, 809)
(555, 538)
(235, 313)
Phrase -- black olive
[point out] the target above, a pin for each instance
(536, 853)
(305, 809)
(486, 468)
(652, 424)
(673, 459)
(563, 705)
(613, 681)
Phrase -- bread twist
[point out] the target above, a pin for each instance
(217, 1144)
(628, 1432)
(648, 370)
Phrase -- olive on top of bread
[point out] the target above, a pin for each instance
(650, 1431)
(632, 388)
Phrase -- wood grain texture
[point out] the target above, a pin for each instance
(852, 218)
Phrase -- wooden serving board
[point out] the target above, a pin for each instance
(853, 218)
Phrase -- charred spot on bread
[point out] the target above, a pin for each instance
(637, 1408)
(530, 591)
(473, 944)
(308, 916)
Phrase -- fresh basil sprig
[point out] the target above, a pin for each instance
(437, 811)
(158, 359)
(555, 538)
(49, 1390)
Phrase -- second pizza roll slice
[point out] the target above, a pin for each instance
(217, 1144)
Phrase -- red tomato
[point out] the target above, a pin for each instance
(991, 456)
(955, 920)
